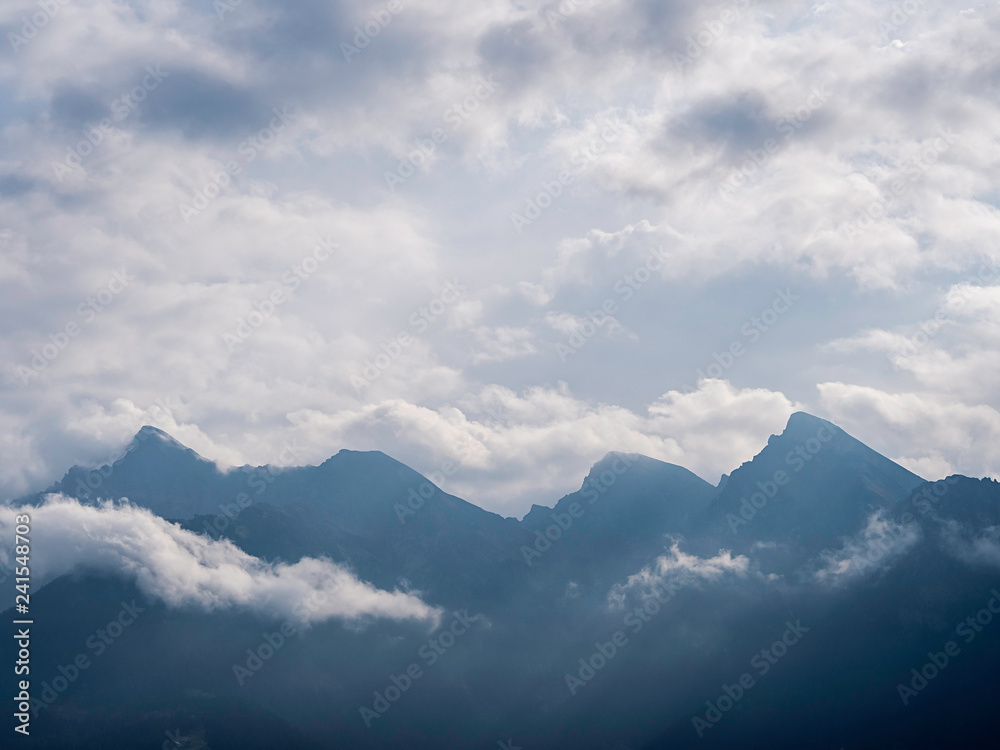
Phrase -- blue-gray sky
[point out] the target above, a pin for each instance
(811, 187)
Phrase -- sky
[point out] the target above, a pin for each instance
(497, 239)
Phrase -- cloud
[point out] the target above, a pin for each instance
(952, 350)
(919, 429)
(877, 546)
(980, 547)
(502, 343)
(646, 115)
(512, 449)
(183, 569)
(677, 569)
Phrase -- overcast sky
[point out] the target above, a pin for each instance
(511, 235)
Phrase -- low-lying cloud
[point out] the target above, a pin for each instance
(979, 548)
(678, 569)
(881, 542)
(184, 569)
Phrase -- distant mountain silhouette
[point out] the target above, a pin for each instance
(809, 486)
(817, 531)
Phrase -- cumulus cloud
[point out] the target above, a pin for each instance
(953, 350)
(642, 132)
(183, 569)
(928, 433)
(877, 546)
(513, 448)
(677, 569)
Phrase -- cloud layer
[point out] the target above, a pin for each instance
(220, 220)
(183, 569)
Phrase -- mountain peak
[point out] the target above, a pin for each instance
(615, 460)
(149, 429)
(803, 427)
(801, 419)
(801, 422)
(612, 456)
(813, 483)
(147, 432)
(154, 441)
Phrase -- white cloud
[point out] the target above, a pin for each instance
(919, 430)
(680, 131)
(545, 440)
(511, 448)
(877, 546)
(502, 343)
(677, 569)
(183, 569)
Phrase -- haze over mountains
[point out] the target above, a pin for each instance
(615, 618)
(514, 257)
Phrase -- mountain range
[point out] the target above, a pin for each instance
(644, 610)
